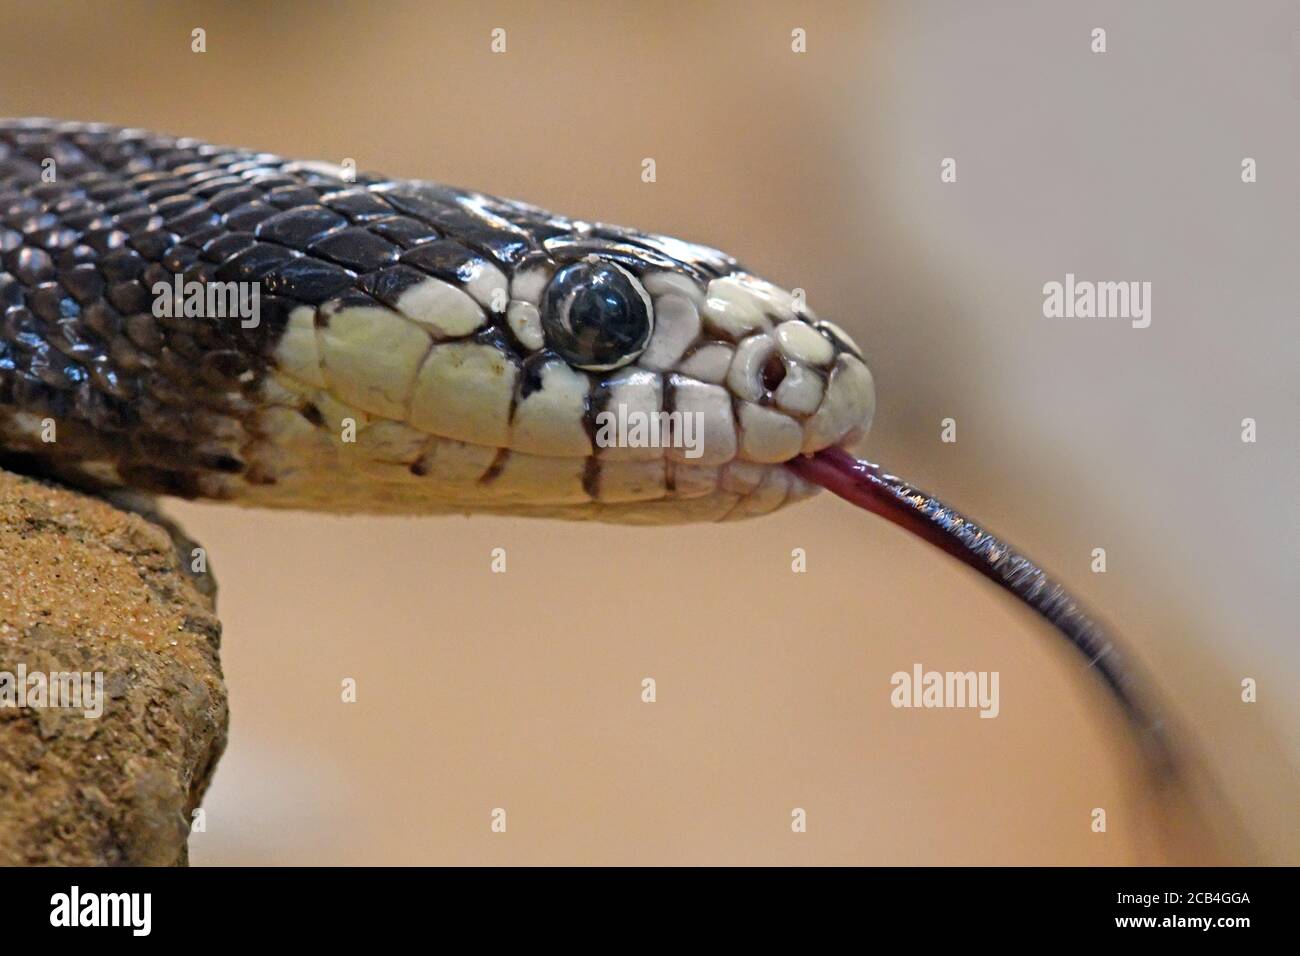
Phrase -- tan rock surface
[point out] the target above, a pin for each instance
(87, 588)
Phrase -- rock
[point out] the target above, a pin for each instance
(89, 589)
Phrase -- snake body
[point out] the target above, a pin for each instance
(416, 347)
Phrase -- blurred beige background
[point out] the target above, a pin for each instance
(819, 170)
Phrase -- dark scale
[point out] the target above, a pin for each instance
(79, 258)
(445, 259)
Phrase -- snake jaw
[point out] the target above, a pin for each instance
(478, 422)
(469, 426)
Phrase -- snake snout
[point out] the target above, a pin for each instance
(790, 383)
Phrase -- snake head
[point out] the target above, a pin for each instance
(222, 323)
(411, 347)
(600, 372)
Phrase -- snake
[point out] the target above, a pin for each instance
(189, 319)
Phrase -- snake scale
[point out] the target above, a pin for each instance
(417, 348)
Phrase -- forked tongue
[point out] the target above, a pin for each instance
(868, 486)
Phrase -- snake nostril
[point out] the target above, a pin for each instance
(313, 414)
(773, 372)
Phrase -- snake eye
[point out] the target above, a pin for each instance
(596, 315)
